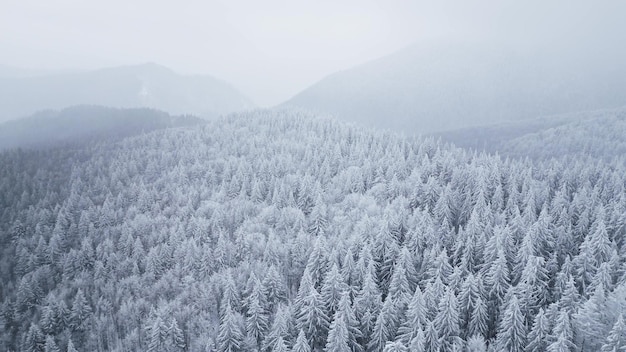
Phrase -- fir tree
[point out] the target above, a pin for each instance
(616, 340)
(416, 318)
(301, 345)
(312, 318)
(231, 336)
(257, 320)
(395, 346)
(338, 340)
(177, 336)
(511, 330)
(50, 345)
(447, 320)
(332, 290)
(538, 335)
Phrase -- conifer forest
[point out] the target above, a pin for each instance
(275, 230)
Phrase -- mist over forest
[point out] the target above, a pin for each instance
(307, 177)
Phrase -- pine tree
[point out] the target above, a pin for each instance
(332, 290)
(511, 330)
(395, 346)
(312, 318)
(48, 320)
(281, 327)
(447, 320)
(476, 343)
(348, 273)
(318, 219)
(231, 336)
(416, 318)
(280, 346)
(257, 320)
(35, 340)
(346, 313)
(479, 321)
(616, 340)
(230, 296)
(50, 345)
(417, 343)
(274, 288)
(538, 336)
(338, 340)
(70, 346)
(317, 264)
(177, 337)
(385, 327)
(301, 345)
(386, 249)
(562, 334)
(399, 287)
(158, 334)
(533, 286)
(590, 320)
(431, 339)
(497, 278)
(80, 312)
(368, 304)
(306, 284)
(471, 291)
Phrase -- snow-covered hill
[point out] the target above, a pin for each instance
(277, 231)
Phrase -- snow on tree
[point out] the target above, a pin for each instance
(616, 340)
(338, 339)
(257, 320)
(539, 333)
(395, 346)
(312, 318)
(231, 334)
(447, 320)
(333, 288)
(416, 318)
(562, 334)
(51, 345)
(301, 345)
(511, 334)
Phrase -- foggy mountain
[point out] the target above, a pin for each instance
(449, 85)
(79, 124)
(147, 85)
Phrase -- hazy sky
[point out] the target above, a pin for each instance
(271, 49)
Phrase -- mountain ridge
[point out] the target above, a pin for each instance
(426, 88)
(132, 86)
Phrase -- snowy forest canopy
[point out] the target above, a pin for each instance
(278, 231)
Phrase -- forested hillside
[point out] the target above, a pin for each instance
(590, 134)
(278, 231)
(81, 124)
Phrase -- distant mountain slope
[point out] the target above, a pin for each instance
(599, 134)
(427, 88)
(147, 85)
(81, 123)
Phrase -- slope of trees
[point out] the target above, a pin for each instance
(583, 135)
(276, 231)
(80, 124)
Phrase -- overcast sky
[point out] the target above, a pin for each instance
(271, 49)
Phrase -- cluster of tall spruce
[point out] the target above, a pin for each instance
(276, 231)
